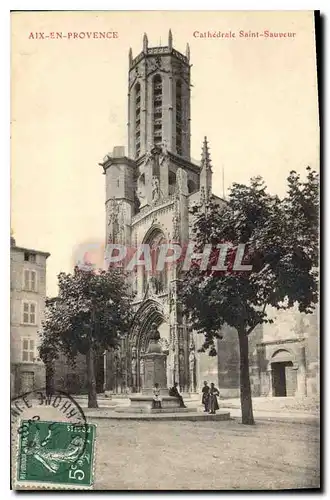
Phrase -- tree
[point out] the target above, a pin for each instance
(90, 315)
(281, 238)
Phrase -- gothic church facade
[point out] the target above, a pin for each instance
(149, 192)
(148, 195)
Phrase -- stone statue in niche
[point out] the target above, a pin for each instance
(181, 368)
(148, 157)
(155, 189)
(141, 370)
(181, 179)
(133, 367)
(175, 367)
(113, 218)
(192, 367)
(154, 333)
(170, 369)
(165, 345)
(155, 285)
(141, 190)
(176, 223)
(163, 156)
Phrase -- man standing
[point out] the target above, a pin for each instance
(174, 392)
(206, 397)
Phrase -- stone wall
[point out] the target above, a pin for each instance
(27, 377)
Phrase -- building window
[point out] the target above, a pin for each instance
(30, 280)
(30, 257)
(29, 313)
(178, 115)
(28, 350)
(137, 118)
(157, 92)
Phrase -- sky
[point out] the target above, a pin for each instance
(254, 98)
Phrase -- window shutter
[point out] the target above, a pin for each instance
(26, 280)
(33, 281)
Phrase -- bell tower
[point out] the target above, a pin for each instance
(159, 100)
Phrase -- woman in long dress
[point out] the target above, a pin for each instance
(213, 402)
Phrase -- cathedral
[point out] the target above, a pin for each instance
(148, 195)
(150, 188)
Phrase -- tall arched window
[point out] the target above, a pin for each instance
(178, 116)
(137, 119)
(157, 95)
(157, 280)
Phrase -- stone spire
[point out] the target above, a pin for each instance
(130, 56)
(145, 42)
(188, 52)
(170, 40)
(206, 160)
(206, 171)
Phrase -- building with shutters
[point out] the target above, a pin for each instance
(27, 294)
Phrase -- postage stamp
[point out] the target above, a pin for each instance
(56, 452)
(53, 445)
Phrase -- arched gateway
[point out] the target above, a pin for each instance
(151, 312)
(125, 366)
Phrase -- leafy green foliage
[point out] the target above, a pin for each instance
(281, 237)
(93, 309)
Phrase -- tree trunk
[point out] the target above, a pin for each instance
(245, 387)
(90, 359)
(49, 367)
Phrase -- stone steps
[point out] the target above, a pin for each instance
(152, 411)
(187, 416)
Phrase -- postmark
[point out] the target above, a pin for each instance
(52, 443)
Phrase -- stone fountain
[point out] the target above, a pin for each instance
(154, 372)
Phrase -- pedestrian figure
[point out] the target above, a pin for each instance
(205, 396)
(157, 400)
(174, 392)
(213, 402)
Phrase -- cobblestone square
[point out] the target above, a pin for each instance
(206, 455)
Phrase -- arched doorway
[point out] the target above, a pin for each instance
(150, 312)
(284, 375)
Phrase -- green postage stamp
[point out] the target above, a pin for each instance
(59, 453)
